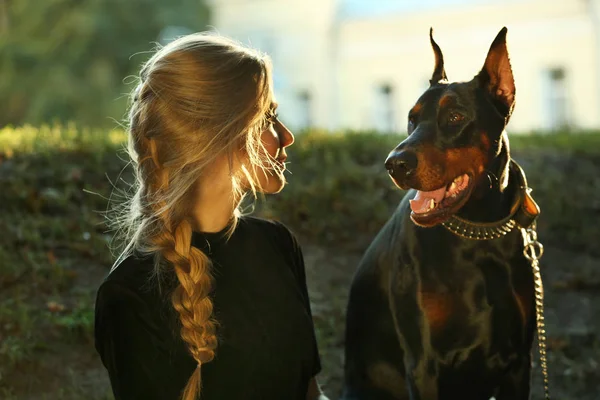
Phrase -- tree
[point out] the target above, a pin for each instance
(63, 60)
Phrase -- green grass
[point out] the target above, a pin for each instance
(51, 138)
(586, 141)
(53, 250)
(31, 139)
(339, 188)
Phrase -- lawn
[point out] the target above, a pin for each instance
(54, 186)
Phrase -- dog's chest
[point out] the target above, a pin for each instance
(480, 295)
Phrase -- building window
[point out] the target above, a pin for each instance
(556, 99)
(384, 118)
(305, 109)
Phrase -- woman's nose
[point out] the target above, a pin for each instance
(286, 136)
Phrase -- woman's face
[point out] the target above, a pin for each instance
(275, 138)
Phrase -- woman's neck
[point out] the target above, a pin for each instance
(215, 205)
(212, 216)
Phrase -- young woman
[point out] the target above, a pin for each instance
(204, 302)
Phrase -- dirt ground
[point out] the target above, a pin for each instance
(71, 370)
(53, 254)
(572, 284)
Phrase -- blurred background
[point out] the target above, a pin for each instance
(346, 72)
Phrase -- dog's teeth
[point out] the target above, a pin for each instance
(452, 186)
(431, 204)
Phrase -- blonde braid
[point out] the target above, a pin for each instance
(201, 97)
(171, 238)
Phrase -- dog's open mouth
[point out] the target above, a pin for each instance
(431, 208)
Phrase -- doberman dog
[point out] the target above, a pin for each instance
(442, 305)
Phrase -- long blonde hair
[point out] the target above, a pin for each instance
(199, 97)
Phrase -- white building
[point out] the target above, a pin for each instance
(361, 64)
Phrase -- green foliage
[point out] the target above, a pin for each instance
(53, 254)
(339, 189)
(15, 349)
(54, 250)
(48, 139)
(79, 322)
(587, 142)
(74, 55)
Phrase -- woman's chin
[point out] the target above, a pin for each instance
(272, 184)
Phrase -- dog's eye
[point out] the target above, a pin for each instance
(455, 118)
(411, 122)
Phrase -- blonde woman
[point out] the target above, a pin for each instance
(205, 303)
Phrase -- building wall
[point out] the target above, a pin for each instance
(365, 73)
(298, 36)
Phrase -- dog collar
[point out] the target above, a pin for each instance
(524, 212)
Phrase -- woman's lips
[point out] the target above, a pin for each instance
(281, 162)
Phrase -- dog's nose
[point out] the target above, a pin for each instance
(401, 163)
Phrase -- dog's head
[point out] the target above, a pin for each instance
(455, 130)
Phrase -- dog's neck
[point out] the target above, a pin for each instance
(494, 194)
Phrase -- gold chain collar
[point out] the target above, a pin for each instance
(524, 211)
(524, 215)
(468, 230)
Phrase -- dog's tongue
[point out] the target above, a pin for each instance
(420, 203)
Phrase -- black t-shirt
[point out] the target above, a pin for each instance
(267, 347)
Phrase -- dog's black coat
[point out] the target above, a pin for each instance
(432, 315)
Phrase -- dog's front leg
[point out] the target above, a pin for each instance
(516, 385)
(411, 331)
(421, 384)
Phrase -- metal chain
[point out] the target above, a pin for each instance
(533, 251)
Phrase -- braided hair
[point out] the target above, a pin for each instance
(200, 97)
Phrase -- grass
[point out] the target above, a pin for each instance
(31, 139)
(53, 250)
(52, 138)
(339, 187)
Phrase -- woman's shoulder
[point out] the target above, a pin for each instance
(130, 270)
(129, 302)
(260, 223)
(132, 277)
(268, 227)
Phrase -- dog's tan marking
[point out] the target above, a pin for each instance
(522, 309)
(445, 100)
(437, 168)
(437, 308)
(524, 301)
(416, 108)
(431, 166)
(485, 140)
(466, 159)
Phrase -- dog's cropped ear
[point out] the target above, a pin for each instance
(496, 76)
(439, 73)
